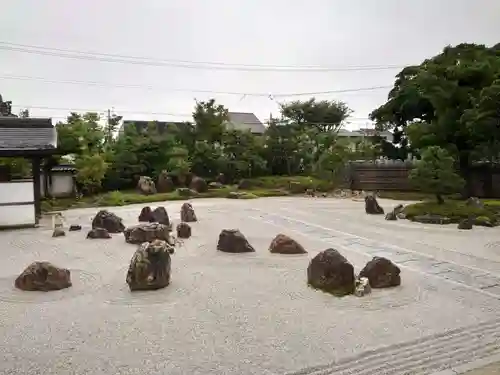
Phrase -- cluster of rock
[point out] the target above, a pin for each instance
(331, 272)
(165, 184)
(150, 265)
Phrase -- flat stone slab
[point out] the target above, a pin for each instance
(253, 313)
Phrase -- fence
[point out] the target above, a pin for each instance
(484, 179)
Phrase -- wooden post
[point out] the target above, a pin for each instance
(35, 162)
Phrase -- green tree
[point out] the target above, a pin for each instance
(209, 120)
(438, 103)
(24, 113)
(435, 173)
(91, 169)
(80, 133)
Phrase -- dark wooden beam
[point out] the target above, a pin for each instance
(35, 162)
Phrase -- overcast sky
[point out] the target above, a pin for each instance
(327, 33)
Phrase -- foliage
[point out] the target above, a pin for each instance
(90, 172)
(455, 210)
(435, 173)
(80, 134)
(450, 100)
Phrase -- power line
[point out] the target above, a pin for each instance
(125, 59)
(154, 88)
(118, 111)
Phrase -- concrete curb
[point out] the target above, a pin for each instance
(475, 365)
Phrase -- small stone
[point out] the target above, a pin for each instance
(43, 276)
(331, 272)
(362, 287)
(381, 273)
(233, 241)
(401, 216)
(310, 193)
(474, 202)
(391, 216)
(58, 232)
(183, 230)
(146, 232)
(398, 209)
(186, 192)
(109, 221)
(215, 185)
(150, 267)
(372, 207)
(465, 224)
(187, 213)
(282, 244)
(75, 227)
(97, 233)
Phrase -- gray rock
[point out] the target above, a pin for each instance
(233, 241)
(183, 230)
(146, 232)
(474, 202)
(75, 227)
(465, 224)
(160, 215)
(381, 273)
(187, 213)
(372, 207)
(391, 216)
(331, 272)
(150, 267)
(401, 216)
(282, 244)
(97, 233)
(109, 221)
(146, 215)
(146, 185)
(43, 276)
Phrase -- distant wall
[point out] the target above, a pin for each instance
(393, 175)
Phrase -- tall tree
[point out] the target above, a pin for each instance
(438, 102)
(209, 120)
(80, 133)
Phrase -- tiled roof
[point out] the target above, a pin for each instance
(246, 121)
(27, 134)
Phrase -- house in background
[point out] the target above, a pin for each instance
(245, 121)
(60, 182)
(363, 135)
(237, 120)
(33, 139)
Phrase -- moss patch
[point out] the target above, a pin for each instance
(454, 210)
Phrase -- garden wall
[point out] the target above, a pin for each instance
(485, 179)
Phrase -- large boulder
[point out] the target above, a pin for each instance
(381, 273)
(150, 267)
(331, 272)
(187, 213)
(165, 183)
(372, 207)
(98, 233)
(183, 230)
(198, 184)
(146, 215)
(146, 185)
(43, 276)
(160, 215)
(245, 184)
(282, 244)
(109, 221)
(233, 241)
(147, 232)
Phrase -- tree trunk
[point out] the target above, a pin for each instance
(440, 199)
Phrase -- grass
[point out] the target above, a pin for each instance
(412, 196)
(118, 198)
(456, 210)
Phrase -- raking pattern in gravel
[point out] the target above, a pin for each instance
(478, 280)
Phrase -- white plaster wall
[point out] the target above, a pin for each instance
(62, 185)
(12, 193)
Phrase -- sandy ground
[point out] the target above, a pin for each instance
(253, 313)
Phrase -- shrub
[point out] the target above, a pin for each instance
(455, 210)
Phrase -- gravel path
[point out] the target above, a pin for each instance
(253, 313)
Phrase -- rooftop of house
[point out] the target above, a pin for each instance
(26, 134)
(363, 132)
(246, 121)
(237, 120)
